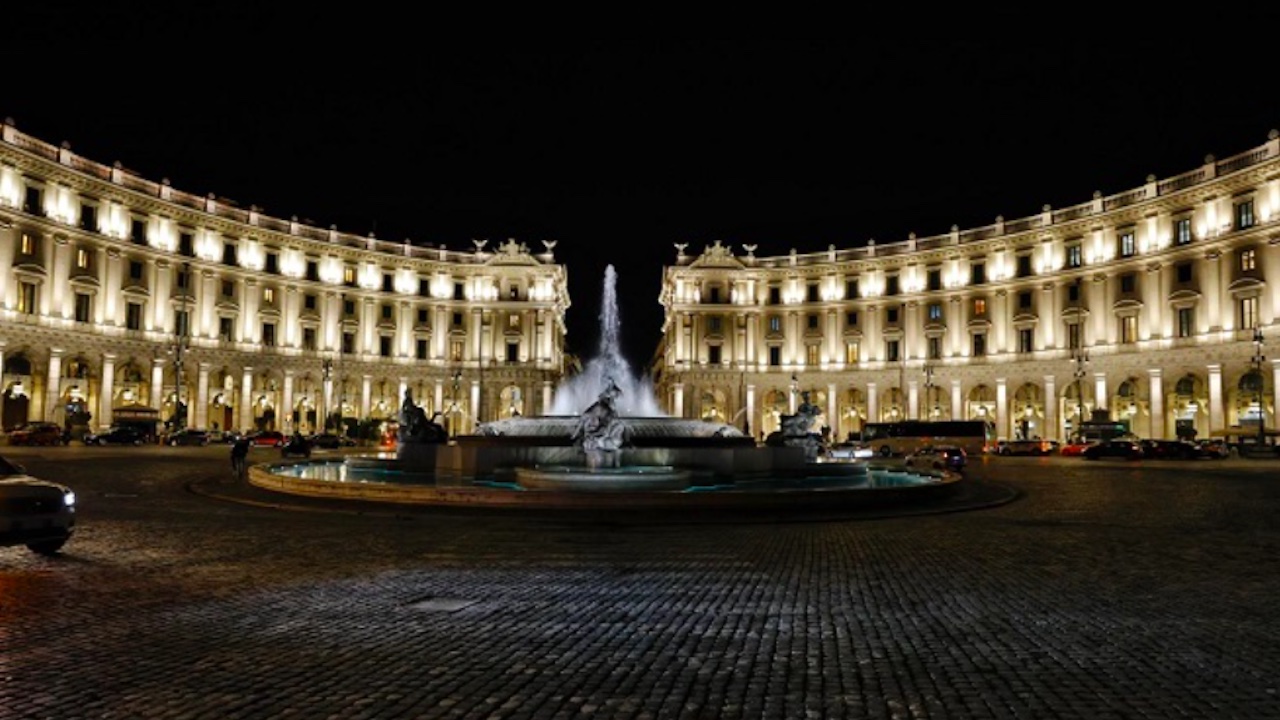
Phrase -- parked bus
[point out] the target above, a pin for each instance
(899, 438)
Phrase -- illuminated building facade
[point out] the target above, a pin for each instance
(118, 292)
(1153, 306)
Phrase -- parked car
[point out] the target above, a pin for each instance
(296, 446)
(937, 457)
(33, 512)
(1026, 447)
(1116, 448)
(38, 433)
(850, 451)
(119, 435)
(267, 438)
(1076, 448)
(1170, 450)
(188, 436)
(1214, 448)
(331, 441)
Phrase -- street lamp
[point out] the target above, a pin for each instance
(1081, 357)
(1257, 361)
(326, 367)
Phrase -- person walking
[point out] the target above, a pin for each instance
(240, 458)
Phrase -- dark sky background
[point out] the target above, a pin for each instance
(619, 148)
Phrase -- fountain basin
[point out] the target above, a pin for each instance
(650, 478)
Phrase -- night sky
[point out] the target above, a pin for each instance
(618, 149)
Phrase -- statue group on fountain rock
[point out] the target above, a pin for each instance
(600, 431)
(797, 429)
(416, 427)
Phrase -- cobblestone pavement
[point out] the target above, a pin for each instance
(1108, 590)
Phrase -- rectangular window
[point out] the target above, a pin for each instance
(1129, 329)
(811, 321)
(1073, 293)
(388, 283)
(1024, 266)
(934, 281)
(138, 231)
(977, 273)
(1126, 283)
(812, 293)
(714, 324)
(935, 311)
(851, 318)
(1025, 340)
(420, 349)
(715, 293)
(979, 306)
(979, 344)
(423, 315)
(309, 301)
(348, 342)
(891, 285)
(513, 352)
(1184, 322)
(1184, 272)
(184, 279)
(775, 324)
(135, 270)
(84, 307)
(457, 319)
(268, 296)
(27, 246)
(182, 323)
(1244, 214)
(1073, 336)
(775, 356)
(513, 322)
(348, 307)
(1248, 259)
(269, 334)
(811, 355)
(1024, 300)
(851, 289)
(851, 353)
(228, 254)
(226, 328)
(82, 258)
(513, 292)
(89, 218)
(186, 244)
(348, 276)
(455, 350)
(891, 350)
(308, 338)
(384, 345)
(387, 311)
(459, 291)
(1075, 257)
(133, 316)
(33, 202)
(1127, 246)
(891, 315)
(713, 355)
(27, 298)
(313, 271)
(935, 347)
(1182, 231)
(228, 288)
(424, 287)
(1248, 313)
(775, 296)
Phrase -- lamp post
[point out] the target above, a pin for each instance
(326, 368)
(928, 388)
(1081, 357)
(1257, 361)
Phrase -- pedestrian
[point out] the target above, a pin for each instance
(240, 458)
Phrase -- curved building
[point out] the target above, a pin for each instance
(120, 295)
(1151, 308)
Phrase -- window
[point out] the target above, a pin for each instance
(1244, 214)
(138, 231)
(775, 296)
(1248, 259)
(851, 353)
(388, 283)
(1024, 266)
(891, 315)
(1073, 293)
(714, 324)
(84, 308)
(348, 307)
(424, 287)
(1184, 272)
(135, 270)
(513, 292)
(186, 244)
(1129, 329)
(935, 347)
(811, 355)
(513, 321)
(851, 289)
(384, 345)
(1126, 283)
(935, 311)
(1073, 336)
(457, 319)
(273, 263)
(851, 318)
(133, 316)
(82, 258)
(713, 354)
(348, 342)
(1025, 341)
(979, 344)
(308, 338)
(309, 301)
(775, 356)
(1184, 322)
(1182, 231)
(420, 349)
(513, 352)
(714, 294)
(979, 306)
(387, 312)
(228, 254)
(228, 288)
(775, 324)
(182, 323)
(27, 298)
(313, 271)
(812, 321)
(28, 244)
(1127, 247)
(1075, 258)
(891, 285)
(225, 325)
(32, 203)
(459, 291)
(89, 218)
(812, 292)
(1248, 313)
(184, 279)
(268, 296)
(934, 281)
(455, 350)
(891, 350)
(348, 275)
(269, 334)
(977, 273)
(1024, 300)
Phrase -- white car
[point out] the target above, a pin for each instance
(33, 512)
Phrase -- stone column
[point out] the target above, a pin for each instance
(1100, 400)
(873, 403)
(1051, 410)
(53, 383)
(286, 412)
(753, 423)
(1002, 408)
(833, 408)
(957, 401)
(678, 401)
(1275, 393)
(546, 397)
(202, 396)
(107, 390)
(913, 400)
(1159, 428)
(1216, 408)
(366, 395)
(157, 383)
(246, 400)
(475, 404)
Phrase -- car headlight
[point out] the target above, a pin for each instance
(69, 498)
(863, 453)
